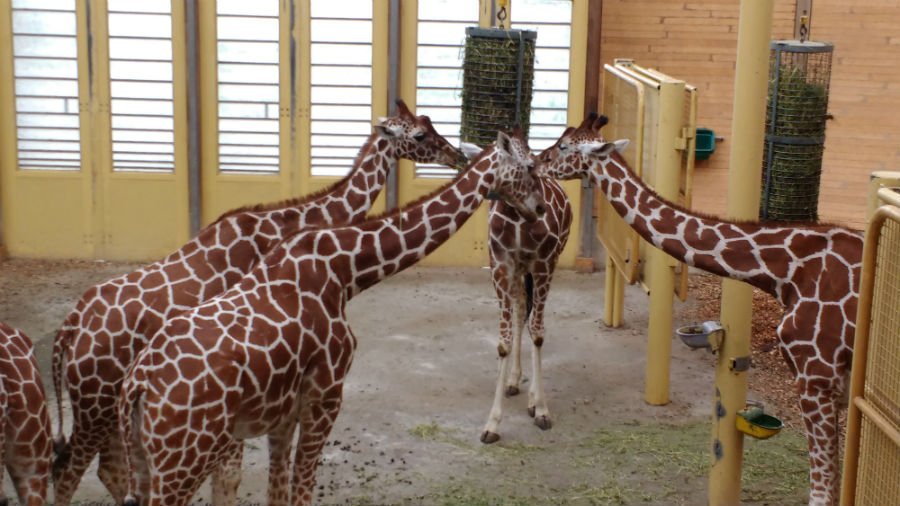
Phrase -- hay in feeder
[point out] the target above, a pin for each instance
(795, 130)
(498, 77)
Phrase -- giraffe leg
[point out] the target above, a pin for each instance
(316, 421)
(490, 433)
(514, 376)
(537, 401)
(177, 487)
(505, 286)
(111, 469)
(28, 464)
(819, 409)
(226, 478)
(279, 465)
(74, 459)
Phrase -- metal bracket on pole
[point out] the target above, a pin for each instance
(739, 364)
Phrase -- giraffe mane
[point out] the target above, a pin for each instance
(711, 217)
(296, 201)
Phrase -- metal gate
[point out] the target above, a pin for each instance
(872, 458)
(658, 114)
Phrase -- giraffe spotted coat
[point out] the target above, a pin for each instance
(273, 351)
(24, 421)
(113, 321)
(812, 269)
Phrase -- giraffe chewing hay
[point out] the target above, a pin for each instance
(812, 269)
(113, 321)
(273, 351)
(25, 442)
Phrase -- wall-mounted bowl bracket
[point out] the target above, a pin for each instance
(709, 335)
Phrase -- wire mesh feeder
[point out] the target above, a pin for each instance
(498, 79)
(799, 74)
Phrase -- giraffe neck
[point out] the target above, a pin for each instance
(380, 247)
(349, 199)
(751, 252)
(414, 232)
(367, 177)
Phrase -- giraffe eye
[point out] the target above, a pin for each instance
(563, 147)
(419, 137)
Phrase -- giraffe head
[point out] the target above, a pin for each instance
(515, 170)
(573, 155)
(414, 138)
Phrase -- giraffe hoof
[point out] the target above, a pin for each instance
(531, 411)
(543, 422)
(488, 437)
(512, 390)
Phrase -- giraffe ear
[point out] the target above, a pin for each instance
(607, 148)
(385, 132)
(504, 143)
(470, 150)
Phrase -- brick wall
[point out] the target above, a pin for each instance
(696, 41)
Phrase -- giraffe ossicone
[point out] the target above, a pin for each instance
(273, 351)
(113, 320)
(812, 269)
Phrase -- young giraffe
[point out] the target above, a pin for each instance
(273, 351)
(523, 257)
(812, 269)
(25, 441)
(113, 320)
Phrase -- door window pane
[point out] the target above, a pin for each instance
(248, 85)
(441, 37)
(140, 71)
(341, 74)
(45, 57)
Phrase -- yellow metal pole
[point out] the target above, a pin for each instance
(575, 113)
(409, 36)
(8, 148)
(180, 95)
(380, 75)
(660, 266)
(209, 108)
(745, 165)
(100, 131)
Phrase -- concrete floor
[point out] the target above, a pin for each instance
(422, 384)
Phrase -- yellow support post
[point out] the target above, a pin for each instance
(7, 121)
(660, 266)
(301, 165)
(745, 165)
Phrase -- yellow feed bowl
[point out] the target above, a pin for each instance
(755, 423)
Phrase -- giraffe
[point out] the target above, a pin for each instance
(273, 351)
(25, 440)
(812, 269)
(113, 320)
(523, 256)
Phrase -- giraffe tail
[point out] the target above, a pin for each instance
(130, 415)
(529, 294)
(60, 344)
